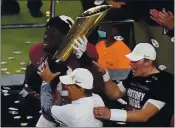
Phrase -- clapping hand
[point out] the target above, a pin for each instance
(163, 18)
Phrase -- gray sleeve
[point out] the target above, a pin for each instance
(46, 98)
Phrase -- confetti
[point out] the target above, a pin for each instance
(4, 91)
(24, 124)
(10, 57)
(17, 52)
(22, 63)
(6, 88)
(3, 69)
(15, 109)
(23, 69)
(40, 111)
(98, 2)
(26, 85)
(6, 94)
(13, 112)
(7, 72)
(17, 117)
(3, 62)
(18, 71)
(27, 42)
(29, 117)
(17, 101)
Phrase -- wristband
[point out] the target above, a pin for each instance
(118, 115)
(106, 77)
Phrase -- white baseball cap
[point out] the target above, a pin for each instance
(80, 76)
(141, 51)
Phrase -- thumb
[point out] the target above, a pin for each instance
(56, 74)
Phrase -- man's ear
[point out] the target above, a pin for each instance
(148, 63)
(81, 90)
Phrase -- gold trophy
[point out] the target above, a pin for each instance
(83, 25)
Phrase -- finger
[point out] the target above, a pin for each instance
(156, 20)
(75, 48)
(161, 21)
(161, 15)
(46, 64)
(164, 12)
(78, 44)
(170, 13)
(56, 74)
(80, 40)
(85, 39)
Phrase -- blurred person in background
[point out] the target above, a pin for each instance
(12, 7)
(112, 49)
(149, 92)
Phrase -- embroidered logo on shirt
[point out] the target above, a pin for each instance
(147, 81)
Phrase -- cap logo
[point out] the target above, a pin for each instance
(77, 82)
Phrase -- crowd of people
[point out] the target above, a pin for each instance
(74, 93)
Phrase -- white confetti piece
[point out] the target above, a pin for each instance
(118, 38)
(18, 71)
(3, 62)
(13, 112)
(17, 52)
(162, 67)
(23, 69)
(17, 117)
(22, 63)
(40, 111)
(6, 88)
(27, 42)
(4, 91)
(173, 39)
(155, 43)
(14, 109)
(3, 69)
(26, 85)
(6, 94)
(11, 58)
(29, 117)
(7, 72)
(17, 101)
(23, 124)
(98, 2)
